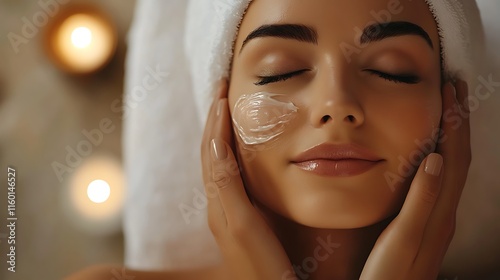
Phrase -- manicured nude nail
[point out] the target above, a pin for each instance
(434, 164)
(219, 151)
(220, 104)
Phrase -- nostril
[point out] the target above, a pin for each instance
(325, 119)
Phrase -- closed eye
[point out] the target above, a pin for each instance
(264, 80)
(407, 79)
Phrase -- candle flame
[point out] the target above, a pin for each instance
(81, 37)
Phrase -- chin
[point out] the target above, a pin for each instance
(324, 212)
(349, 204)
(348, 219)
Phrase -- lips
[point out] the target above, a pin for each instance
(336, 160)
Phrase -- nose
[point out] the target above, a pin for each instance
(336, 105)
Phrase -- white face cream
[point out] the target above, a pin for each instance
(260, 117)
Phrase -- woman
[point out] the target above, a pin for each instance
(345, 172)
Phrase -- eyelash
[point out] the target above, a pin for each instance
(406, 79)
(278, 78)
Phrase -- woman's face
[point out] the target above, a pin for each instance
(342, 73)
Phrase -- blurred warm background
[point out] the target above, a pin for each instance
(61, 86)
(61, 91)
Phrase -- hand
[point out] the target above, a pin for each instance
(249, 247)
(415, 242)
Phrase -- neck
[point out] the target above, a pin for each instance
(324, 253)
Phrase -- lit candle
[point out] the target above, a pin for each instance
(82, 42)
(98, 191)
(93, 199)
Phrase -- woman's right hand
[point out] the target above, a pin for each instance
(249, 246)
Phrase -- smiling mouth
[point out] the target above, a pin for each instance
(337, 160)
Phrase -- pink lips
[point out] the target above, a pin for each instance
(336, 160)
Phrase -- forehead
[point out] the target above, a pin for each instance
(337, 19)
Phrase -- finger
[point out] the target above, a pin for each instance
(421, 198)
(209, 133)
(227, 178)
(401, 240)
(223, 129)
(409, 225)
(260, 246)
(465, 149)
(226, 171)
(215, 212)
(455, 148)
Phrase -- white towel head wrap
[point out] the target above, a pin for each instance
(210, 51)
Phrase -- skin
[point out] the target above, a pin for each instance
(336, 88)
(265, 221)
(339, 103)
(416, 239)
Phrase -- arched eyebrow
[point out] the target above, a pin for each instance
(371, 33)
(380, 31)
(297, 32)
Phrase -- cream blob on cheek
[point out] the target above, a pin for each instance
(260, 117)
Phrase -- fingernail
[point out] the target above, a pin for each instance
(434, 164)
(219, 107)
(218, 149)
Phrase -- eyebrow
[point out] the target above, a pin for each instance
(297, 32)
(371, 33)
(380, 31)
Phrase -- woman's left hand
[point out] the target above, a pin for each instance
(414, 244)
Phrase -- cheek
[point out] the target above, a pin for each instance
(259, 168)
(261, 117)
(409, 129)
(413, 122)
(407, 118)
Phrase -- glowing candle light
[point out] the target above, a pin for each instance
(93, 199)
(82, 41)
(81, 37)
(98, 191)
